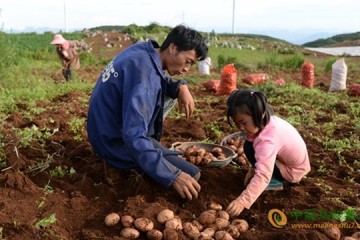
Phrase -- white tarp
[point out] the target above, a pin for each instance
(338, 51)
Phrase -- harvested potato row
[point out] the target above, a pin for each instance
(213, 223)
(237, 144)
(217, 224)
(199, 156)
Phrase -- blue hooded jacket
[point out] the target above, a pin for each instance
(126, 112)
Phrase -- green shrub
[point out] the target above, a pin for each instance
(329, 63)
(294, 62)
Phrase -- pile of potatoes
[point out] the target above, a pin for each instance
(214, 223)
(200, 157)
(237, 144)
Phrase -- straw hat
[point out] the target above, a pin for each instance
(58, 39)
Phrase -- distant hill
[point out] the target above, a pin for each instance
(341, 40)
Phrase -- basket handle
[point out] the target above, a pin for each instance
(175, 144)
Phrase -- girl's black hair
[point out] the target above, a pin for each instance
(250, 102)
(185, 38)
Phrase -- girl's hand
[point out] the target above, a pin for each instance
(235, 208)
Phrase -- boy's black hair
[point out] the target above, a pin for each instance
(185, 38)
(250, 102)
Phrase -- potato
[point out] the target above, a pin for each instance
(221, 223)
(174, 223)
(356, 235)
(223, 235)
(212, 211)
(230, 141)
(223, 214)
(129, 233)
(190, 229)
(207, 218)
(209, 231)
(349, 238)
(127, 220)
(197, 224)
(241, 224)
(237, 142)
(233, 231)
(192, 159)
(233, 147)
(198, 160)
(165, 215)
(214, 206)
(201, 152)
(112, 219)
(332, 233)
(217, 151)
(170, 234)
(154, 234)
(206, 160)
(143, 224)
(202, 236)
(189, 151)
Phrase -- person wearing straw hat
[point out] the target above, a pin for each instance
(67, 51)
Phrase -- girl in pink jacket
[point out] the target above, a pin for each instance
(273, 146)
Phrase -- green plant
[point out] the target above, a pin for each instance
(47, 188)
(47, 221)
(57, 172)
(329, 63)
(76, 126)
(214, 127)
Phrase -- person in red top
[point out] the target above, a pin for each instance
(67, 51)
(273, 146)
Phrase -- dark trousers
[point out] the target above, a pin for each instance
(250, 154)
(67, 73)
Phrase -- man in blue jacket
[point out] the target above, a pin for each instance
(125, 117)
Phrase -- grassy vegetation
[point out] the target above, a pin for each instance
(28, 60)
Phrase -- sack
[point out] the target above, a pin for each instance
(204, 66)
(280, 81)
(338, 76)
(228, 79)
(307, 75)
(211, 85)
(354, 90)
(256, 78)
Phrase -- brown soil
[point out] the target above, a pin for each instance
(82, 198)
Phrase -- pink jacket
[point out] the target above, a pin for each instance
(281, 144)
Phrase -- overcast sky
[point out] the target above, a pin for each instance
(306, 16)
